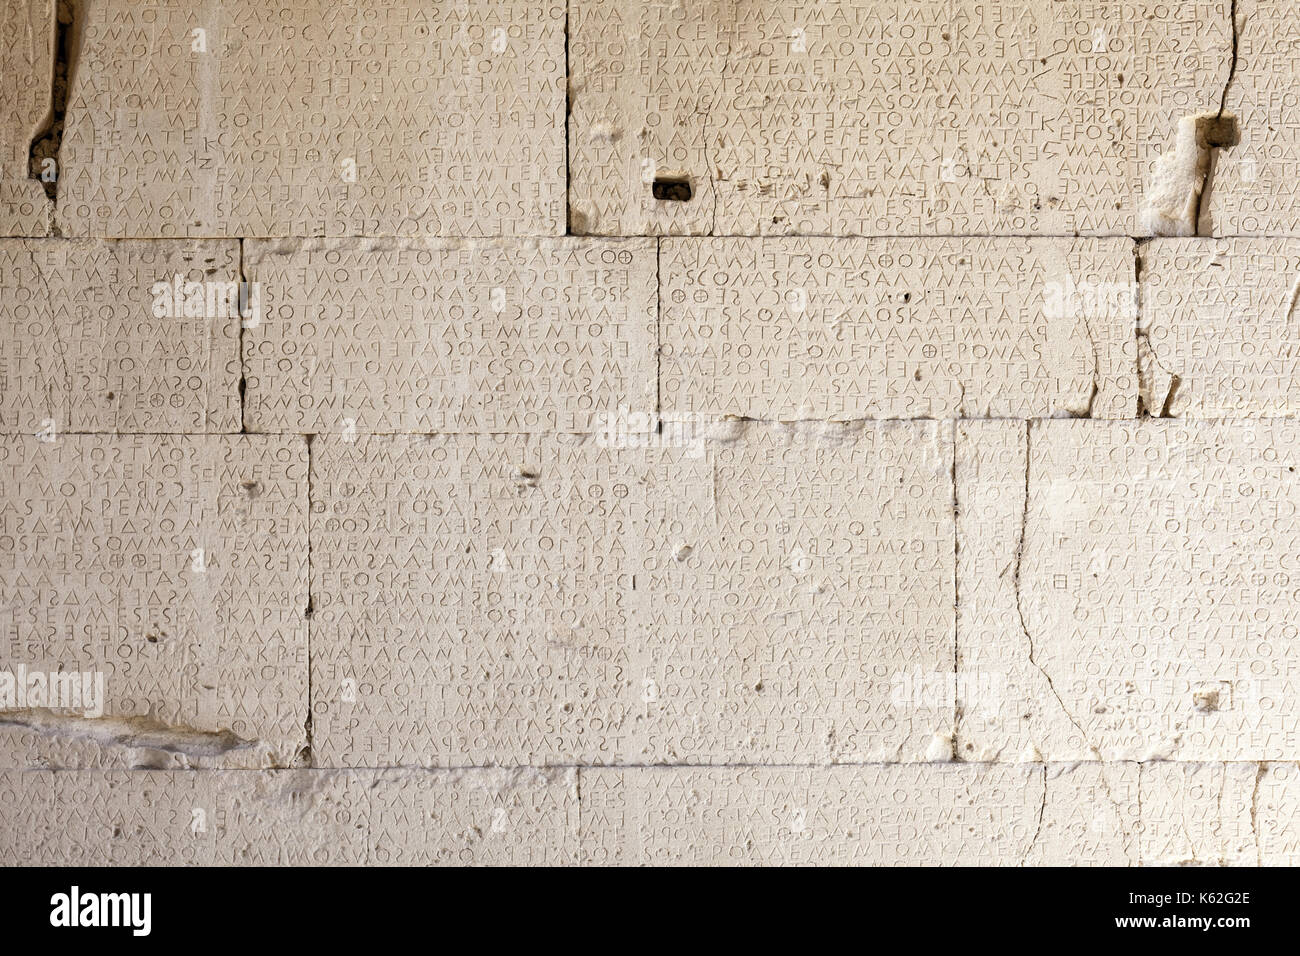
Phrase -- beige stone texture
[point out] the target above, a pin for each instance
(881, 815)
(317, 119)
(27, 39)
(290, 817)
(523, 600)
(452, 335)
(909, 815)
(93, 337)
(1136, 605)
(800, 328)
(173, 572)
(470, 600)
(1220, 330)
(883, 118)
(798, 603)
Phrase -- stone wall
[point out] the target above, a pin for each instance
(616, 431)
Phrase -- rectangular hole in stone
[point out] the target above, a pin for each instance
(671, 188)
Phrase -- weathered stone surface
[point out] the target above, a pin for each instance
(870, 118)
(92, 338)
(1198, 814)
(798, 601)
(1220, 330)
(27, 37)
(953, 815)
(976, 814)
(470, 600)
(171, 570)
(451, 335)
(321, 119)
(302, 817)
(1137, 604)
(549, 600)
(1275, 813)
(869, 815)
(1253, 184)
(830, 328)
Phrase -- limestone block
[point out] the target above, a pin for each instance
(769, 595)
(1219, 328)
(241, 118)
(881, 118)
(821, 328)
(290, 817)
(470, 597)
(152, 597)
(95, 338)
(1125, 590)
(451, 335)
(1198, 814)
(888, 815)
(27, 38)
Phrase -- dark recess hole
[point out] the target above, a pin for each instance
(671, 188)
(1218, 132)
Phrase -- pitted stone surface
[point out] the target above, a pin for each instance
(451, 335)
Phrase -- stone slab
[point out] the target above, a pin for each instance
(871, 118)
(799, 597)
(451, 335)
(289, 818)
(470, 600)
(316, 119)
(171, 572)
(1138, 606)
(93, 338)
(816, 328)
(1220, 331)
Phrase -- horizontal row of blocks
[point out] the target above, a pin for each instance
(585, 335)
(768, 594)
(524, 118)
(1075, 814)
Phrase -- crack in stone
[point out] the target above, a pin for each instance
(1149, 368)
(1096, 368)
(1020, 612)
(1042, 811)
(306, 753)
(1254, 804)
(243, 371)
